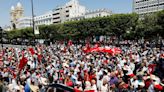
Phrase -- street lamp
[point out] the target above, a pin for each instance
(1, 30)
(158, 6)
(33, 22)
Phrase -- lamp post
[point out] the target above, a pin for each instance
(1, 30)
(33, 22)
(158, 6)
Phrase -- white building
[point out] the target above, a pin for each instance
(69, 10)
(24, 22)
(142, 7)
(98, 13)
(45, 19)
(93, 14)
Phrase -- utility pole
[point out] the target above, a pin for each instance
(33, 22)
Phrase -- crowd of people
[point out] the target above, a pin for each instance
(138, 68)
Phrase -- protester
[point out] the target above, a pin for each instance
(99, 68)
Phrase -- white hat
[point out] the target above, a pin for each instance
(141, 83)
(23, 76)
(82, 63)
(43, 81)
(88, 84)
(153, 77)
(106, 70)
(17, 87)
(6, 62)
(78, 83)
(65, 65)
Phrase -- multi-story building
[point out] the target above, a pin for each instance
(69, 10)
(24, 22)
(45, 19)
(74, 11)
(143, 7)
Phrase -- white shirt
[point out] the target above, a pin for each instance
(151, 88)
(104, 88)
(99, 84)
(94, 88)
(132, 66)
(122, 62)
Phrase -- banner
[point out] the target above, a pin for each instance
(96, 48)
(36, 30)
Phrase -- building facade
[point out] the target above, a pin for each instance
(98, 13)
(24, 22)
(69, 10)
(16, 13)
(45, 19)
(93, 14)
(143, 7)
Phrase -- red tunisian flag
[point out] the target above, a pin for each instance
(95, 48)
(151, 68)
(86, 49)
(1, 58)
(40, 57)
(22, 63)
(116, 51)
(108, 50)
(32, 51)
(69, 42)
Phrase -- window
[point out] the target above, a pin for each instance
(56, 13)
(58, 9)
(56, 22)
(56, 18)
(67, 11)
(67, 15)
